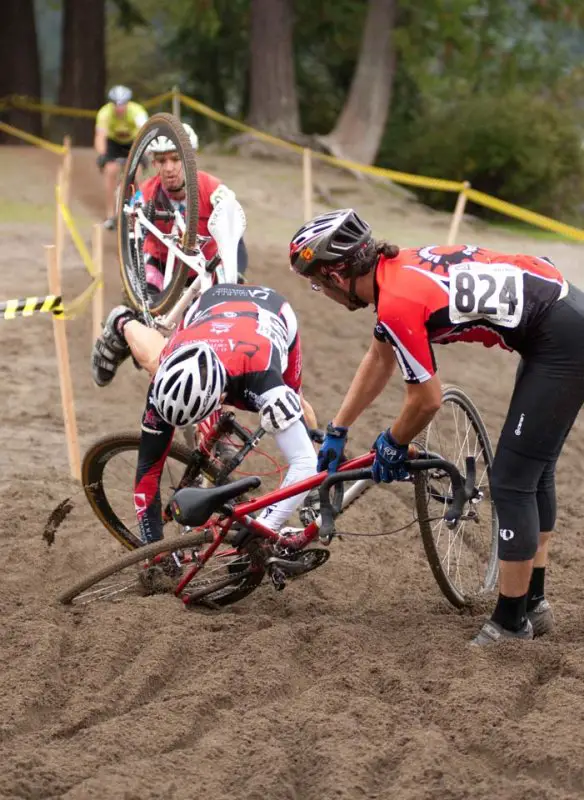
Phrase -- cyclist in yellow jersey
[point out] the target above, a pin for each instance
(116, 126)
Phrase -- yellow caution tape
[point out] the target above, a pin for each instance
(240, 126)
(511, 210)
(79, 304)
(28, 137)
(27, 306)
(157, 99)
(27, 104)
(398, 177)
(50, 108)
(75, 235)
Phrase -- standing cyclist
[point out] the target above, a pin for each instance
(116, 126)
(462, 294)
(167, 190)
(239, 346)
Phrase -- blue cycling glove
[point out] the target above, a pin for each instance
(389, 457)
(330, 454)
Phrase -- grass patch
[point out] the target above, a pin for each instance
(524, 229)
(19, 211)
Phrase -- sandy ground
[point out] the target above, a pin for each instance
(356, 682)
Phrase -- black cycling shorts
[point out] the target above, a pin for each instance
(548, 394)
(116, 150)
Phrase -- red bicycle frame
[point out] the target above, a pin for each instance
(241, 513)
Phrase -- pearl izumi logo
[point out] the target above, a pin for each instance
(519, 425)
(506, 534)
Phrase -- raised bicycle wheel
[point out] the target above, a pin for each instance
(463, 559)
(132, 261)
(229, 576)
(107, 474)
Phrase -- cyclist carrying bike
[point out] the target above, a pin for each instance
(438, 295)
(238, 345)
(116, 126)
(167, 191)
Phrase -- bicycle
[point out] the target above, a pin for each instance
(211, 460)
(242, 559)
(183, 244)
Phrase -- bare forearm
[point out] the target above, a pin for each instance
(145, 343)
(368, 383)
(412, 420)
(421, 403)
(309, 414)
(100, 142)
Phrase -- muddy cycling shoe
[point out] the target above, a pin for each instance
(310, 508)
(159, 578)
(225, 451)
(493, 633)
(541, 618)
(110, 349)
(110, 224)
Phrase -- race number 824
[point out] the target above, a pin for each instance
(491, 291)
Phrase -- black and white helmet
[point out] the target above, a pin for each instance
(188, 384)
(120, 95)
(330, 242)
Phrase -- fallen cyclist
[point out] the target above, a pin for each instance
(462, 293)
(238, 345)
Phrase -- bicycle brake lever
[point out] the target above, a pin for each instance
(463, 490)
(329, 510)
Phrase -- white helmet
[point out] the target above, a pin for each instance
(162, 144)
(188, 384)
(120, 95)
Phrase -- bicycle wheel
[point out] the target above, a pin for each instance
(108, 472)
(132, 261)
(229, 576)
(463, 559)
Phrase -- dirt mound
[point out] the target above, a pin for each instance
(356, 682)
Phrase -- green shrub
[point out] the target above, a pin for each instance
(517, 147)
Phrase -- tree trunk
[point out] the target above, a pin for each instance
(82, 82)
(359, 129)
(19, 64)
(273, 98)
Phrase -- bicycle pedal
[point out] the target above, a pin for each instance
(277, 577)
(285, 566)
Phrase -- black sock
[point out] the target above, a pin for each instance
(535, 593)
(510, 612)
(122, 321)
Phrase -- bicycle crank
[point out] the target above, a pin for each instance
(294, 564)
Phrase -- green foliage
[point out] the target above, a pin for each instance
(517, 147)
(520, 146)
(209, 45)
(327, 37)
(129, 15)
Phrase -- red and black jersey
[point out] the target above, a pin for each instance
(152, 189)
(254, 331)
(438, 295)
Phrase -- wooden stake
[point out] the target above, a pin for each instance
(63, 181)
(457, 215)
(67, 401)
(307, 182)
(97, 256)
